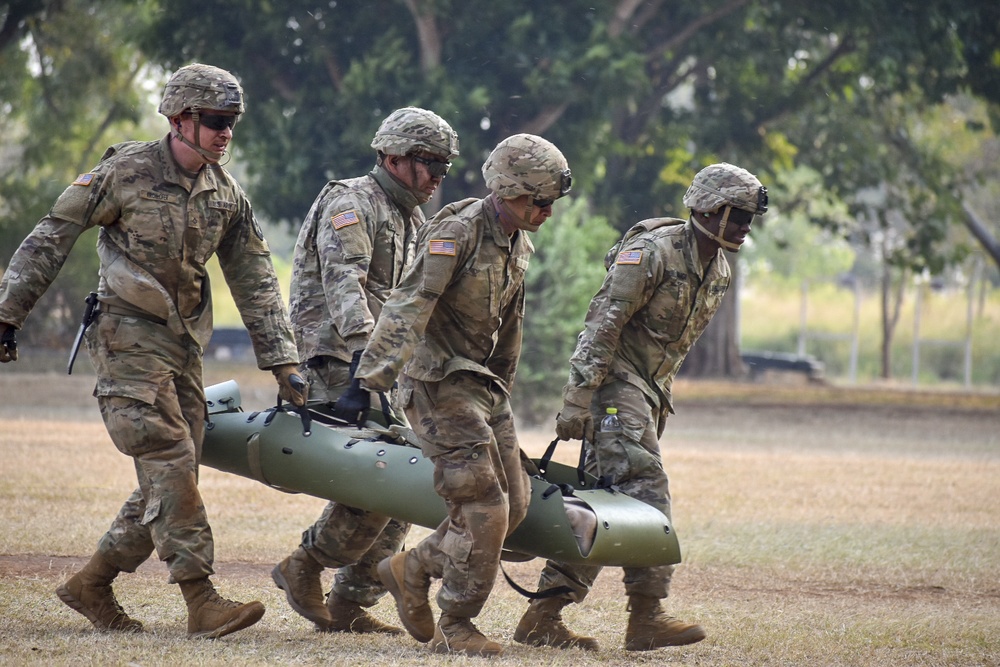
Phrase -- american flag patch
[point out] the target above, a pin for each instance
(441, 247)
(345, 219)
(84, 179)
(629, 257)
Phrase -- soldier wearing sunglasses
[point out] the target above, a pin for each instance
(451, 333)
(354, 246)
(666, 279)
(163, 209)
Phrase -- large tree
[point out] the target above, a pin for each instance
(640, 94)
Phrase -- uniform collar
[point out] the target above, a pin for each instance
(205, 181)
(499, 235)
(691, 254)
(398, 193)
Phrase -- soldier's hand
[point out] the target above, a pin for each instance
(574, 423)
(352, 404)
(8, 343)
(291, 386)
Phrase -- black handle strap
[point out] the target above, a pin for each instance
(543, 463)
(536, 595)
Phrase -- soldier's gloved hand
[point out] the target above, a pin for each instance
(355, 401)
(8, 343)
(291, 386)
(574, 423)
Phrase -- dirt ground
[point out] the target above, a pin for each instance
(803, 511)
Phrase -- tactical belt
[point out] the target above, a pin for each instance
(128, 312)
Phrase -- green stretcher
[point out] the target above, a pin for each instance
(381, 469)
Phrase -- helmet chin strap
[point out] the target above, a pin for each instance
(728, 245)
(507, 212)
(207, 156)
(420, 195)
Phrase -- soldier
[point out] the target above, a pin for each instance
(667, 280)
(455, 321)
(163, 207)
(353, 248)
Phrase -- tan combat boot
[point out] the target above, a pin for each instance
(298, 576)
(348, 616)
(457, 634)
(649, 627)
(406, 579)
(211, 616)
(542, 625)
(89, 592)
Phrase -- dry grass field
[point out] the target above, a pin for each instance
(820, 526)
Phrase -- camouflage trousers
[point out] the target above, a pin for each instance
(631, 460)
(149, 390)
(466, 428)
(350, 539)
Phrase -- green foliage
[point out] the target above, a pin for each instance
(72, 85)
(771, 319)
(792, 242)
(825, 102)
(565, 272)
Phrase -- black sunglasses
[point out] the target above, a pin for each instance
(565, 185)
(436, 168)
(217, 122)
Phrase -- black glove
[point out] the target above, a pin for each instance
(8, 343)
(356, 401)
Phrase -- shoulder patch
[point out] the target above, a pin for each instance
(345, 219)
(629, 257)
(441, 247)
(84, 179)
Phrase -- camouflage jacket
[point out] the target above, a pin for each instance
(155, 238)
(352, 249)
(654, 304)
(459, 307)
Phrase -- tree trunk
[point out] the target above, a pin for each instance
(887, 324)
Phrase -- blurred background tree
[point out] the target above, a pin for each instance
(639, 94)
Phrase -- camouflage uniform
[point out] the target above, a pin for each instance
(458, 312)
(157, 231)
(655, 302)
(666, 279)
(352, 249)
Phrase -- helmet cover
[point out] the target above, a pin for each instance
(725, 184)
(199, 87)
(412, 129)
(526, 164)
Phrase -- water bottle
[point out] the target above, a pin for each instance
(610, 423)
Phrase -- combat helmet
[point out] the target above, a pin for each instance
(198, 87)
(412, 129)
(724, 185)
(526, 164)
